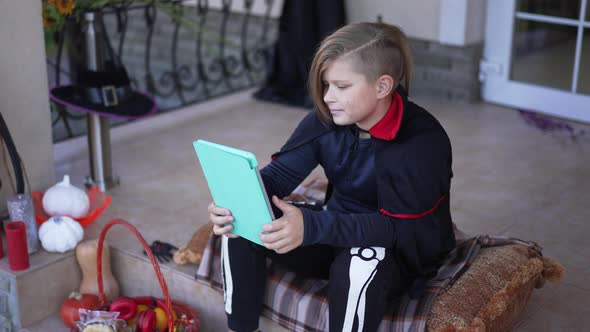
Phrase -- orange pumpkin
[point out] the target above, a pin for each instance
(69, 309)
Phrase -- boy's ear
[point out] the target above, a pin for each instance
(385, 84)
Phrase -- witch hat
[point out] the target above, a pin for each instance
(105, 90)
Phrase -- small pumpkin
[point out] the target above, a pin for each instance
(69, 309)
(60, 234)
(64, 199)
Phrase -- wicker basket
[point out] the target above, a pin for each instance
(167, 304)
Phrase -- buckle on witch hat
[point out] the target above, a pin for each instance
(109, 95)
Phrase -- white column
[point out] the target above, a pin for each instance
(24, 95)
(462, 22)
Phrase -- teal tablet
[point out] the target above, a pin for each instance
(235, 184)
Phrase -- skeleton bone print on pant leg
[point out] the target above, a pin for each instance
(228, 287)
(363, 266)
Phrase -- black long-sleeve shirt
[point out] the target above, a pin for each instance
(352, 218)
(392, 190)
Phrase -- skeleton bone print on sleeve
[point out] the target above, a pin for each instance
(363, 266)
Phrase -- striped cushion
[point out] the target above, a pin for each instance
(300, 304)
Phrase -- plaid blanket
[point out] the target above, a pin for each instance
(300, 304)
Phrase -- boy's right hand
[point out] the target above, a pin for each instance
(222, 220)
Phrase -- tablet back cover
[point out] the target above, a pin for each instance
(235, 184)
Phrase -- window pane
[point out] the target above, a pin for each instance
(559, 8)
(543, 54)
(584, 74)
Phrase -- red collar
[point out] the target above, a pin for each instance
(388, 127)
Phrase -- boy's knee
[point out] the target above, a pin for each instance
(355, 263)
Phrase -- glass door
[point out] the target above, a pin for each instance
(537, 56)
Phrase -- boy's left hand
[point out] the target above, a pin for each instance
(285, 233)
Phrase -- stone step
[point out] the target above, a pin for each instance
(31, 295)
(136, 277)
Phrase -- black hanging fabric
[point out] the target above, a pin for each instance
(302, 26)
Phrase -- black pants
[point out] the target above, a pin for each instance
(361, 281)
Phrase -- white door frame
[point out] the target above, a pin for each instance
(495, 69)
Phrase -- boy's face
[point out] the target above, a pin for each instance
(351, 98)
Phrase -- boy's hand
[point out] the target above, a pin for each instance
(222, 220)
(285, 233)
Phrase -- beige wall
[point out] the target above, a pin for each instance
(462, 22)
(258, 6)
(23, 92)
(452, 22)
(476, 18)
(418, 18)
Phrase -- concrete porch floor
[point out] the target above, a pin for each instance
(509, 179)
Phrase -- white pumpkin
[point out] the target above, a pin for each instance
(60, 234)
(64, 199)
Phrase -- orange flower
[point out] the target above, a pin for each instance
(64, 7)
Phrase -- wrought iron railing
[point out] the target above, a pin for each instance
(186, 53)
